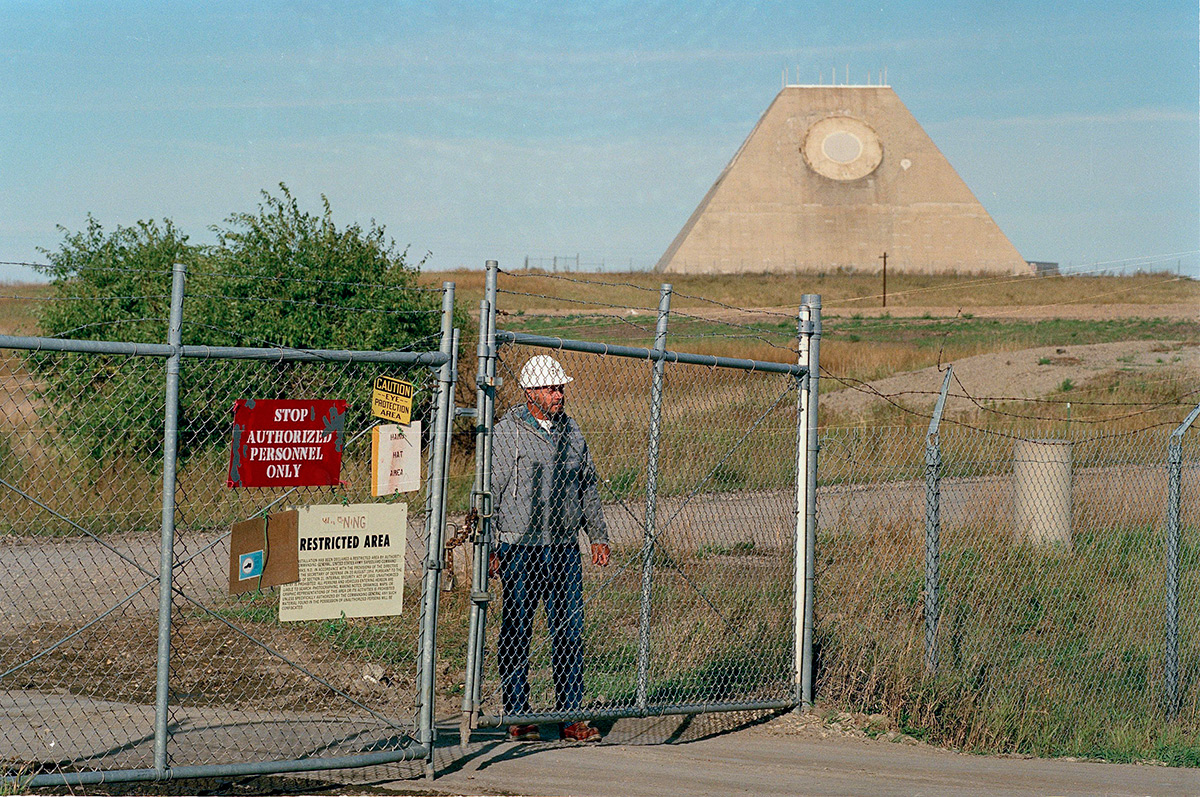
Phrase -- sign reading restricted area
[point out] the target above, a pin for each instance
(351, 563)
(283, 443)
(395, 458)
(391, 399)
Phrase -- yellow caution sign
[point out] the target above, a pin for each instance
(391, 399)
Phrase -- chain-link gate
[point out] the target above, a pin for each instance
(640, 510)
(100, 680)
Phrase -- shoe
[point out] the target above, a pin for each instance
(523, 733)
(579, 732)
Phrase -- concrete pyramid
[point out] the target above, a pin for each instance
(832, 177)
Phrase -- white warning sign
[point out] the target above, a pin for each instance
(395, 459)
(351, 563)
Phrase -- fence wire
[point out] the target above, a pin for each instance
(81, 469)
(699, 612)
(1066, 620)
(1050, 573)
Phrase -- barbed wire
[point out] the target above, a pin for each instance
(647, 289)
(197, 275)
(747, 311)
(312, 281)
(268, 344)
(111, 322)
(323, 305)
(1084, 298)
(732, 335)
(1178, 401)
(87, 298)
(756, 331)
(1150, 407)
(116, 269)
(590, 302)
(1098, 267)
(601, 321)
(890, 398)
(530, 275)
(866, 387)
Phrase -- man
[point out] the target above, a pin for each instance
(544, 493)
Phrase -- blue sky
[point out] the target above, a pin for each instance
(500, 130)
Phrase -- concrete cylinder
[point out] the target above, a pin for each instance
(1042, 491)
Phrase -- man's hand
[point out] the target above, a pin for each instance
(493, 565)
(600, 552)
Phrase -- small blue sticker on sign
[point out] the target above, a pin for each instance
(250, 565)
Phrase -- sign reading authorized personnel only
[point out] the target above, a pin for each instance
(391, 400)
(284, 443)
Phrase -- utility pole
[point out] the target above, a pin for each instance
(885, 279)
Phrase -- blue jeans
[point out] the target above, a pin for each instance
(529, 574)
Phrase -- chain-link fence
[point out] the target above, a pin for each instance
(1011, 586)
(641, 511)
(86, 692)
(1023, 593)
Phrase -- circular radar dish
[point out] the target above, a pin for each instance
(842, 148)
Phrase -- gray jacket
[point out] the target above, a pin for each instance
(543, 483)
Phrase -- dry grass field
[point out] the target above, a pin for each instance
(841, 293)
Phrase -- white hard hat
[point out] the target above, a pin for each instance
(543, 370)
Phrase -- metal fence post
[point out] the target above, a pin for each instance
(481, 507)
(933, 526)
(166, 561)
(1171, 696)
(800, 563)
(481, 501)
(451, 414)
(810, 354)
(656, 391)
(435, 519)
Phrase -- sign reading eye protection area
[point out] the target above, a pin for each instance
(391, 399)
(285, 443)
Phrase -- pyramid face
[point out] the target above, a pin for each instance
(832, 177)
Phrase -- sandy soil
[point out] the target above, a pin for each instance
(1028, 373)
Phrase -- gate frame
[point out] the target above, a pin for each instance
(805, 372)
(174, 352)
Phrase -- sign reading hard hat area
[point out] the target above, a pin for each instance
(283, 443)
(351, 563)
(395, 459)
(391, 399)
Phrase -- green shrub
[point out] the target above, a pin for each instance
(278, 277)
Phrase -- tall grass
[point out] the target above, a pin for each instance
(1042, 652)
